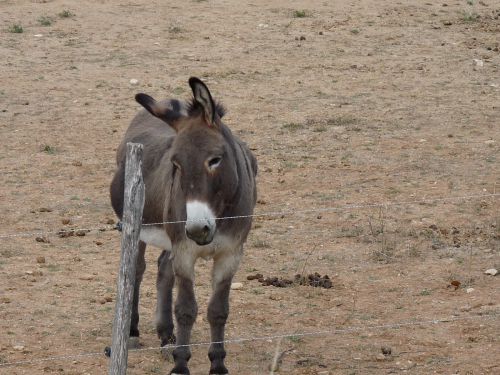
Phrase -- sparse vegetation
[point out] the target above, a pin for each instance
(45, 21)
(293, 126)
(470, 16)
(65, 14)
(49, 149)
(16, 29)
(300, 14)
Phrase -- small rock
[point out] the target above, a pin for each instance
(98, 243)
(236, 286)
(44, 209)
(447, 23)
(42, 239)
(302, 37)
(320, 33)
(86, 277)
(108, 299)
(40, 259)
(81, 233)
(110, 221)
(102, 301)
(38, 35)
(478, 62)
(489, 142)
(455, 284)
(5, 300)
(77, 163)
(19, 348)
(491, 271)
(381, 357)
(469, 290)
(66, 221)
(134, 82)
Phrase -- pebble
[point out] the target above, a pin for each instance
(489, 142)
(236, 286)
(86, 277)
(478, 62)
(18, 347)
(469, 290)
(40, 259)
(42, 239)
(134, 82)
(491, 271)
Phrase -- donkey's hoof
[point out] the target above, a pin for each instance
(219, 371)
(133, 342)
(179, 370)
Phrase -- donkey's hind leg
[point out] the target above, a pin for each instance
(164, 286)
(139, 272)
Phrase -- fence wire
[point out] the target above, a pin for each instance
(242, 340)
(281, 213)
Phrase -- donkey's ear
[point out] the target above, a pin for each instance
(157, 109)
(203, 98)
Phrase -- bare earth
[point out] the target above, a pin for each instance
(347, 104)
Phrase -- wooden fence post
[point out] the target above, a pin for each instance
(132, 220)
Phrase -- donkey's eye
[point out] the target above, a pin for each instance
(214, 162)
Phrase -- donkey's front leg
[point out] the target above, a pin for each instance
(224, 269)
(164, 286)
(186, 310)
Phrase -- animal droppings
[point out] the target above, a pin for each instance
(313, 279)
(63, 233)
(257, 276)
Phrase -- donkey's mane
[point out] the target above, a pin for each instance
(194, 108)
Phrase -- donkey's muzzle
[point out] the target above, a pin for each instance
(200, 223)
(202, 234)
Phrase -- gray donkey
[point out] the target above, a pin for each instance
(200, 180)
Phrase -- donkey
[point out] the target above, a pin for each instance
(196, 173)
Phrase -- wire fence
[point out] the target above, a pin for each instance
(271, 338)
(281, 213)
(278, 213)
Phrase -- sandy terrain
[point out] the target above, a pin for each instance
(346, 104)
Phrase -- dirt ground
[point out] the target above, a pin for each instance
(346, 104)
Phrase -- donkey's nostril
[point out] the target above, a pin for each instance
(206, 230)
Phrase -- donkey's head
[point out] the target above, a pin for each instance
(202, 160)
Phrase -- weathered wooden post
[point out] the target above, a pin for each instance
(132, 220)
